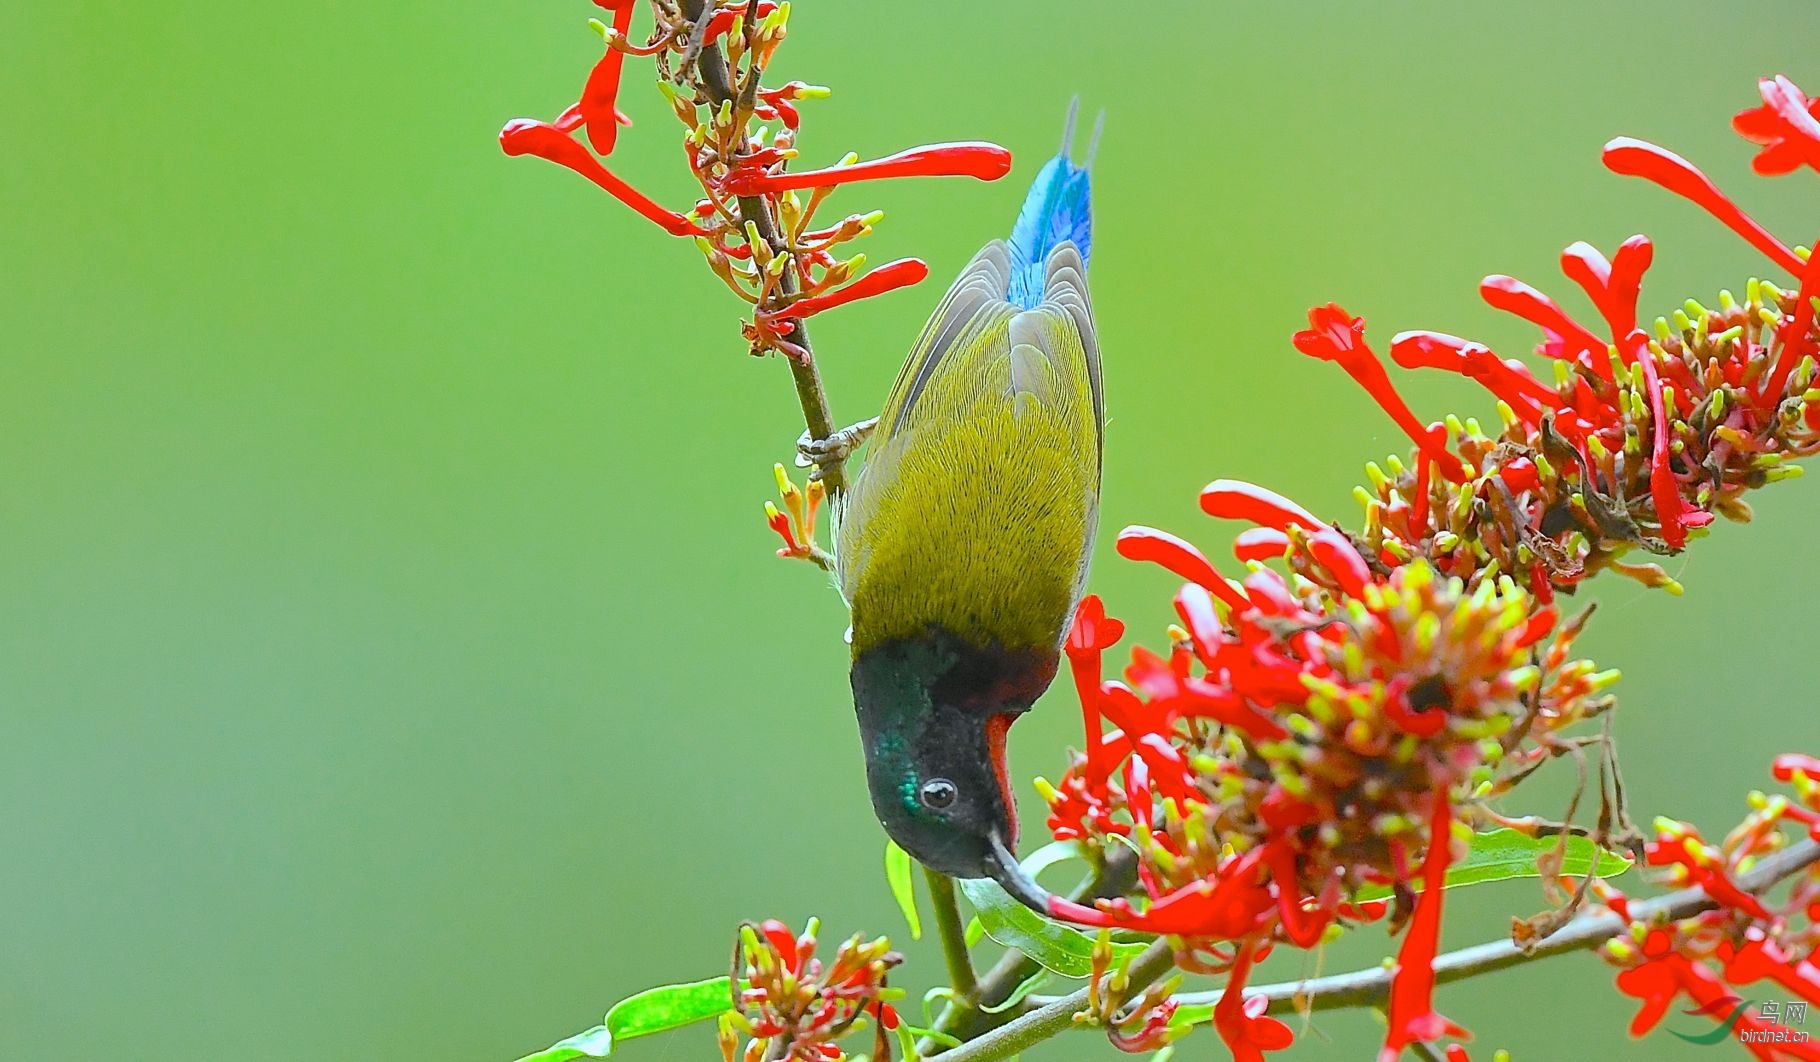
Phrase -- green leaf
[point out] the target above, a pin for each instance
(974, 932)
(897, 872)
(595, 1043)
(658, 1010)
(1024, 988)
(1503, 854)
(654, 1010)
(1053, 854)
(1053, 945)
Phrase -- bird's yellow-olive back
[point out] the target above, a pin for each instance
(975, 509)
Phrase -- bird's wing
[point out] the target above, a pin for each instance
(978, 498)
(973, 307)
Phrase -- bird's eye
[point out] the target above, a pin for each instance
(938, 793)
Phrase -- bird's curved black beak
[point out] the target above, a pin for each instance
(1002, 864)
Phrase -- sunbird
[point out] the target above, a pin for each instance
(963, 544)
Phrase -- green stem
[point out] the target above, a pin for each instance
(717, 82)
(953, 933)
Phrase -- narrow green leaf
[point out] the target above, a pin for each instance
(1024, 988)
(903, 886)
(1503, 854)
(595, 1043)
(654, 1010)
(974, 932)
(658, 1010)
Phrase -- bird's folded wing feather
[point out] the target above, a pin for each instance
(978, 497)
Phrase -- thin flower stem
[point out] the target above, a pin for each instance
(953, 933)
(711, 62)
(1371, 987)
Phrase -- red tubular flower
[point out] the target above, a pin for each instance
(1241, 1022)
(888, 277)
(1342, 561)
(1678, 850)
(1797, 334)
(1337, 336)
(1519, 474)
(1639, 158)
(1787, 126)
(1260, 543)
(1152, 1032)
(1301, 928)
(1179, 556)
(987, 162)
(1235, 499)
(1089, 636)
(1411, 1013)
(1418, 503)
(1093, 631)
(599, 114)
(1656, 982)
(1762, 960)
(1508, 380)
(780, 523)
(1613, 286)
(1229, 908)
(1664, 489)
(528, 136)
(781, 938)
(1565, 338)
(781, 101)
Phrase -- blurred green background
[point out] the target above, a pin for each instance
(394, 660)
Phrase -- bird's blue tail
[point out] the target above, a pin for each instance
(1057, 208)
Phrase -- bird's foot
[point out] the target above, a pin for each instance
(820, 453)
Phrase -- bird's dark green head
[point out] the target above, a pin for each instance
(933, 714)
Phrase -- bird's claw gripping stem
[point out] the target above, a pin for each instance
(819, 453)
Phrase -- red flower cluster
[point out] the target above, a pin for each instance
(793, 1007)
(758, 235)
(1641, 436)
(1746, 940)
(1308, 734)
(1330, 727)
